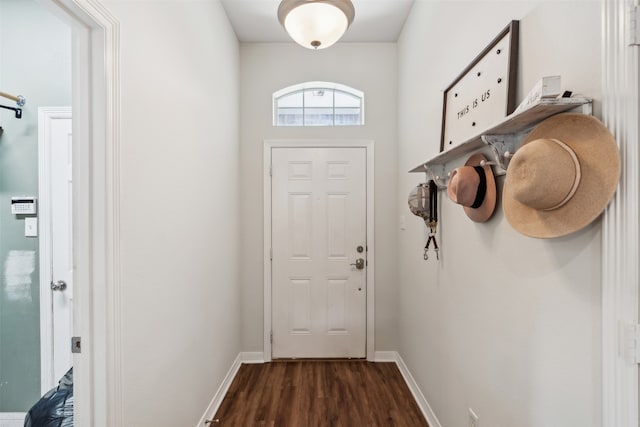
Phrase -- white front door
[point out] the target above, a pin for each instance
(56, 252)
(318, 234)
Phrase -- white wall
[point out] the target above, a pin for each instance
(179, 207)
(266, 68)
(504, 324)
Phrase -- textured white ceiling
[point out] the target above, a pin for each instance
(375, 20)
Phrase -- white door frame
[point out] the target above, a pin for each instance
(620, 230)
(96, 201)
(45, 116)
(319, 143)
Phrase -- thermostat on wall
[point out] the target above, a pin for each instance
(23, 205)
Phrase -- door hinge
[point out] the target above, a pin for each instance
(634, 26)
(630, 343)
(271, 254)
(270, 170)
(76, 345)
(271, 337)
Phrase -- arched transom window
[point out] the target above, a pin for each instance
(318, 104)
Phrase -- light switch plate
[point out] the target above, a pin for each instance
(31, 227)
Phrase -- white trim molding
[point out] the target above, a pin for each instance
(306, 143)
(244, 358)
(394, 356)
(252, 357)
(12, 419)
(621, 238)
(386, 356)
(97, 316)
(218, 397)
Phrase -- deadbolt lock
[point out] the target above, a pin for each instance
(360, 249)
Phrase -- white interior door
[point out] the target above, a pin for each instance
(56, 252)
(318, 224)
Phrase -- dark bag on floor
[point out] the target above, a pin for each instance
(55, 408)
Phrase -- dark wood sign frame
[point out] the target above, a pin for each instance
(512, 31)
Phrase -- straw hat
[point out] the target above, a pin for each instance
(474, 187)
(562, 177)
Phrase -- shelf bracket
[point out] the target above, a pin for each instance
(503, 148)
(437, 174)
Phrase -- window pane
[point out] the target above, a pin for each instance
(348, 116)
(318, 117)
(291, 100)
(344, 99)
(318, 98)
(290, 117)
(318, 104)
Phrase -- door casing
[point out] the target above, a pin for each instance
(98, 400)
(370, 270)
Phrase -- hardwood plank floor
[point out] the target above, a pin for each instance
(336, 393)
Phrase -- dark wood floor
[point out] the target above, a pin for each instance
(319, 394)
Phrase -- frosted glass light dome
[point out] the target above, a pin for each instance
(316, 24)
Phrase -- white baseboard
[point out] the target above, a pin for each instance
(394, 356)
(417, 393)
(385, 356)
(252, 357)
(12, 419)
(242, 358)
(222, 391)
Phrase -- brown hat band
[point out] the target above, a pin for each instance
(578, 175)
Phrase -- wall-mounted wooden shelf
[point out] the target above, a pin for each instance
(504, 137)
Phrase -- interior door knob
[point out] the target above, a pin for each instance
(60, 285)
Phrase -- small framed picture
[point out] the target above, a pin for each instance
(484, 93)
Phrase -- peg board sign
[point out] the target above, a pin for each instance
(484, 93)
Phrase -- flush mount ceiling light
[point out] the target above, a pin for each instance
(316, 24)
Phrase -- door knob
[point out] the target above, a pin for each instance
(359, 264)
(60, 285)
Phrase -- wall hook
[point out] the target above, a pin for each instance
(502, 147)
(435, 176)
(18, 111)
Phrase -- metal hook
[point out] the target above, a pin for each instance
(18, 111)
